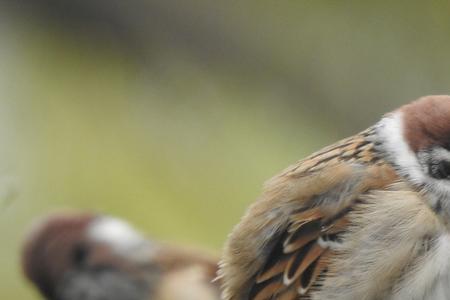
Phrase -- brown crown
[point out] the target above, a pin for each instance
(427, 122)
(45, 254)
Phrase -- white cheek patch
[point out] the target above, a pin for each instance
(123, 239)
(390, 132)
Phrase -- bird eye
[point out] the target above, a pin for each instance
(79, 254)
(440, 170)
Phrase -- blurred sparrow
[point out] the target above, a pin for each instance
(94, 257)
(365, 218)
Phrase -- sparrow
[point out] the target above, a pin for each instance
(365, 218)
(76, 255)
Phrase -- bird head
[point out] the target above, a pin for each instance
(67, 254)
(416, 139)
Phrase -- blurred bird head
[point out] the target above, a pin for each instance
(73, 256)
(88, 256)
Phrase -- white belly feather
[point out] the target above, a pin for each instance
(430, 278)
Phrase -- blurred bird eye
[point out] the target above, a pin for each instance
(79, 254)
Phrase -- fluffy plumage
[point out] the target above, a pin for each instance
(365, 218)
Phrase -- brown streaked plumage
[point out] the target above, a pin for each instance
(72, 256)
(305, 237)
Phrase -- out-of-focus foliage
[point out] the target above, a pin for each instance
(171, 114)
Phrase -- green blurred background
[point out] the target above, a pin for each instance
(171, 114)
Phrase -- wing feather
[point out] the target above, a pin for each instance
(283, 245)
(298, 257)
(298, 264)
